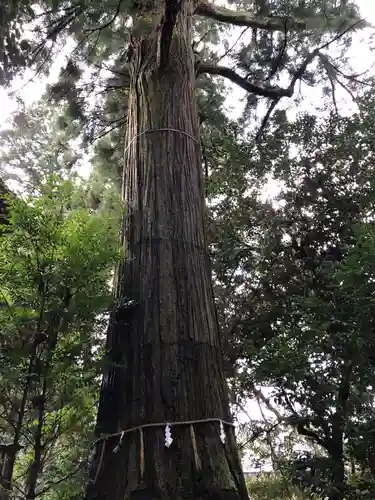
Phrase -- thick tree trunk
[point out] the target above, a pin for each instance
(165, 362)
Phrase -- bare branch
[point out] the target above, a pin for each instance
(347, 89)
(299, 74)
(263, 125)
(333, 72)
(260, 397)
(197, 42)
(275, 458)
(117, 123)
(273, 23)
(271, 92)
(276, 64)
(331, 77)
(233, 45)
(257, 434)
(64, 478)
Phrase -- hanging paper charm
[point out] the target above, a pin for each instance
(222, 432)
(168, 436)
(116, 448)
(141, 453)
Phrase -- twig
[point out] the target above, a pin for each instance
(266, 117)
(108, 23)
(298, 75)
(105, 131)
(197, 42)
(257, 434)
(274, 456)
(276, 64)
(64, 478)
(233, 45)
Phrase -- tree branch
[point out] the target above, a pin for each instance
(257, 434)
(274, 457)
(266, 117)
(312, 435)
(298, 75)
(271, 92)
(230, 74)
(233, 45)
(64, 478)
(272, 23)
(262, 398)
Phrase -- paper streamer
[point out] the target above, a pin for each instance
(222, 432)
(168, 436)
(197, 461)
(141, 453)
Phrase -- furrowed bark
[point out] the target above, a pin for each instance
(164, 354)
(273, 23)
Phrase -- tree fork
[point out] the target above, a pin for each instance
(163, 347)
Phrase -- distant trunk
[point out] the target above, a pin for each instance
(36, 464)
(338, 467)
(8, 454)
(45, 354)
(336, 449)
(165, 361)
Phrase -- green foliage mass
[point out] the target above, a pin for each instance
(295, 288)
(33, 147)
(271, 487)
(55, 266)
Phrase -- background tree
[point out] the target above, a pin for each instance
(35, 144)
(299, 290)
(55, 262)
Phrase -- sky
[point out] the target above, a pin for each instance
(361, 60)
